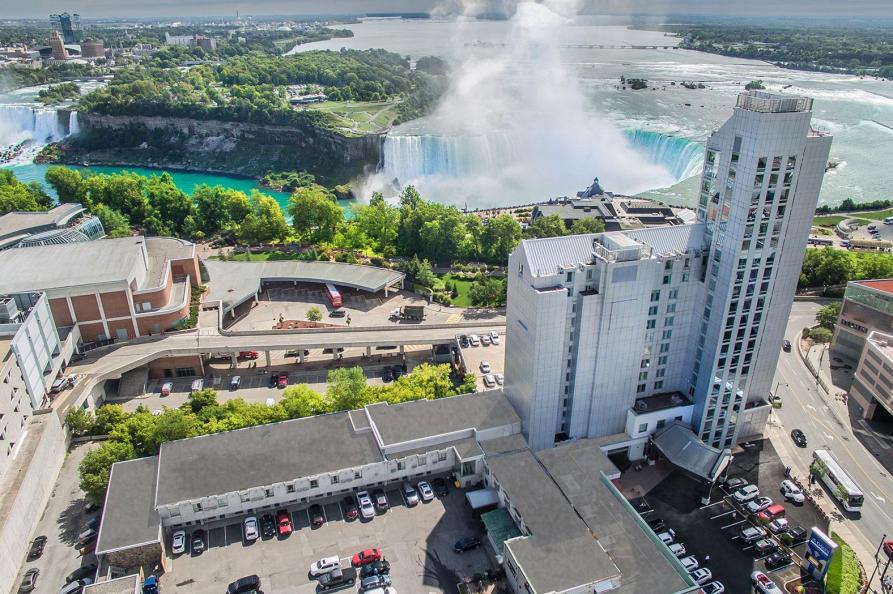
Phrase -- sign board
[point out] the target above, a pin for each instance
(819, 550)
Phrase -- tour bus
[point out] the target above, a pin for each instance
(888, 221)
(839, 483)
(333, 295)
(820, 241)
(870, 245)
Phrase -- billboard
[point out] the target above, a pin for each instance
(819, 550)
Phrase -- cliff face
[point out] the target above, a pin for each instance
(230, 147)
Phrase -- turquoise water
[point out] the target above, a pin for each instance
(184, 180)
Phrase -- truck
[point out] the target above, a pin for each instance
(409, 312)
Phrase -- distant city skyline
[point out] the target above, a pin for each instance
(197, 8)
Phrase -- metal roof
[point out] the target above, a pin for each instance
(671, 239)
(234, 283)
(546, 256)
(129, 518)
(683, 449)
(19, 222)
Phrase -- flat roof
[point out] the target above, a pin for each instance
(129, 518)
(233, 283)
(560, 553)
(408, 421)
(885, 284)
(576, 468)
(45, 267)
(252, 457)
(466, 448)
(22, 222)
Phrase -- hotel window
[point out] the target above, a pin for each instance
(268, 492)
(357, 475)
(290, 488)
(422, 460)
(655, 296)
(314, 483)
(196, 507)
(674, 293)
(652, 311)
(658, 384)
(643, 375)
(243, 496)
(640, 388)
(222, 501)
(441, 456)
(650, 324)
(333, 478)
(643, 427)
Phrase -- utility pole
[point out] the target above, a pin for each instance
(877, 561)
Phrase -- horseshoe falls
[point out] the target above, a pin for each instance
(680, 156)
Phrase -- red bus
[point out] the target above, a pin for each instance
(333, 295)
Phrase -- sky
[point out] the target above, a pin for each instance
(148, 8)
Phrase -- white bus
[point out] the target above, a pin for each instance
(839, 483)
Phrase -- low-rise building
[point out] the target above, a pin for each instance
(66, 223)
(873, 380)
(867, 306)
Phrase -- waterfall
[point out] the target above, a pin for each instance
(682, 157)
(32, 125)
(73, 126)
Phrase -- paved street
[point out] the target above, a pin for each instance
(826, 424)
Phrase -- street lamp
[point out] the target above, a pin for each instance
(877, 562)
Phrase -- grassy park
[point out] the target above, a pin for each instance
(360, 117)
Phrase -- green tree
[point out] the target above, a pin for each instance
(108, 417)
(264, 223)
(420, 272)
(827, 266)
(315, 216)
(488, 292)
(500, 237)
(97, 464)
(469, 384)
(68, 183)
(827, 315)
(587, 225)
(14, 195)
(821, 334)
(80, 421)
(175, 208)
(114, 223)
(548, 226)
(346, 388)
(301, 401)
(200, 400)
(314, 314)
(379, 222)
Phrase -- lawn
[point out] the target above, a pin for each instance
(844, 575)
(463, 287)
(360, 117)
(832, 220)
(262, 256)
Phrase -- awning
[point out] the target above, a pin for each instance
(500, 527)
(683, 449)
(482, 498)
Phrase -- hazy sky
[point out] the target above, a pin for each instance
(130, 8)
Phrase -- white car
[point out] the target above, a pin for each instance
(701, 575)
(485, 340)
(690, 563)
(778, 526)
(410, 494)
(746, 493)
(792, 492)
(678, 549)
(485, 367)
(752, 533)
(489, 380)
(166, 388)
(763, 584)
(250, 524)
(758, 504)
(475, 340)
(494, 336)
(364, 502)
(425, 491)
(324, 565)
(178, 542)
(500, 379)
(667, 537)
(713, 588)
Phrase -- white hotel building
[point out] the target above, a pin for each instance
(620, 334)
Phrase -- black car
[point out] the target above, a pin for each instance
(29, 581)
(734, 483)
(466, 544)
(198, 541)
(463, 341)
(764, 546)
(786, 346)
(779, 559)
(36, 549)
(397, 372)
(274, 380)
(267, 526)
(337, 580)
(246, 584)
(799, 438)
(91, 507)
(795, 535)
(87, 571)
(375, 568)
(387, 375)
(317, 519)
(375, 581)
(440, 487)
(657, 525)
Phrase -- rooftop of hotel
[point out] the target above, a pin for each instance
(884, 284)
(660, 402)
(883, 342)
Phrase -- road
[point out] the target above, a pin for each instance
(827, 426)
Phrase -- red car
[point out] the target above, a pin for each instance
(283, 380)
(888, 548)
(283, 520)
(365, 557)
(248, 354)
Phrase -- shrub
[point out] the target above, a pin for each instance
(314, 314)
(844, 573)
(820, 334)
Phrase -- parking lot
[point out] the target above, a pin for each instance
(417, 541)
(714, 529)
(493, 354)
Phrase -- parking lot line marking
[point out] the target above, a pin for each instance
(747, 548)
(733, 524)
(779, 568)
(711, 504)
(722, 514)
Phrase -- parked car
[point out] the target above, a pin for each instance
(387, 375)
(796, 535)
(425, 491)
(667, 536)
(91, 507)
(375, 581)
(799, 438)
(167, 388)
(235, 382)
(338, 313)
(657, 525)
(337, 579)
(485, 340)
(36, 549)
(702, 575)
(409, 494)
(198, 542)
(250, 528)
(365, 557)
(466, 544)
(29, 580)
(267, 526)
(778, 559)
(197, 385)
(778, 526)
(381, 500)
(690, 563)
(86, 537)
(764, 546)
(351, 511)
(248, 354)
(274, 380)
(872, 227)
(713, 588)
(282, 380)
(397, 371)
(178, 542)
(150, 585)
(475, 340)
(485, 367)
(792, 492)
(758, 504)
(771, 513)
(463, 341)
(317, 518)
(752, 533)
(489, 380)
(375, 568)
(786, 346)
(365, 502)
(59, 384)
(81, 573)
(888, 548)
(500, 379)
(283, 522)
(75, 587)
(92, 522)
(249, 583)
(678, 549)
(324, 565)
(746, 493)
(494, 336)
(440, 487)
(763, 584)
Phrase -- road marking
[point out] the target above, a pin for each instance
(722, 514)
(747, 548)
(733, 524)
(712, 504)
(811, 407)
(878, 497)
(828, 437)
(454, 319)
(779, 568)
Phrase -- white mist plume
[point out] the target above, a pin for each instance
(513, 126)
